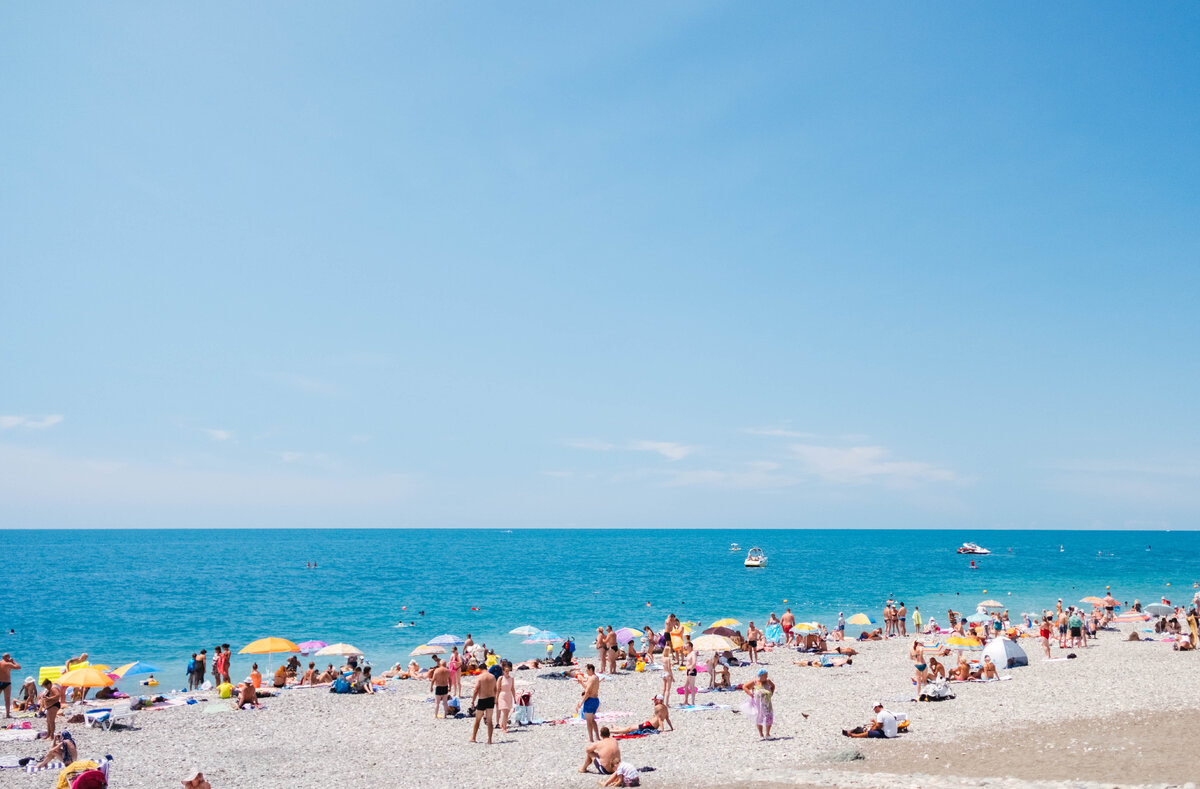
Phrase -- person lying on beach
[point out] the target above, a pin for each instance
(660, 718)
(874, 635)
(604, 754)
(821, 661)
(525, 665)
(883, 726)
(110, 692)
(845, 651)
(246, 696)
(63, 749)
(198, 782)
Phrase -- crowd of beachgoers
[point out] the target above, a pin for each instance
(681, 661)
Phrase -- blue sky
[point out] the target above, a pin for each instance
(694, 264)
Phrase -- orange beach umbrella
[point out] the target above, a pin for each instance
(89, 677)
(267, 646)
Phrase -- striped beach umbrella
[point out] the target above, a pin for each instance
(1131, 616)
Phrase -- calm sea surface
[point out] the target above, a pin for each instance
(160, 595)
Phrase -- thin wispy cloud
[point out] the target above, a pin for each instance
(30, 422)
(861, 465)
(671, 450)
(304, 383)
(779, 432)
(219, 434)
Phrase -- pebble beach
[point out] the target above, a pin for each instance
(1122, 713)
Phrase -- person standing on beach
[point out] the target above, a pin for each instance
(506, 696)
(839, 632)
(52, 701)
(787, 622)
(753, 638)
(668, 677)
(7, 664)
(201, 667)
(439, 686)
(1062, 627)
(902, 618)
(1044, 635)
(917, 621)
(761, 691)
(610, 644)
(226, 659)
(484, 699)
(689, 682)
(601, 648)
(191, 672)
(591, 700)
(455, 673)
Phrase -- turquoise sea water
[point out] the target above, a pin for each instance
(160, 595)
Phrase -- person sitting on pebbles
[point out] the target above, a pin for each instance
(884, 726)
(246, 696)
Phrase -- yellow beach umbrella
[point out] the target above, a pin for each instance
(806, 626)
(860, 619)
(728, 622)
(428, 649)
(267, 646)
(964, 643)
(90, 677)
(714, 643)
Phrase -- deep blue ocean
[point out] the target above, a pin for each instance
(160, 595)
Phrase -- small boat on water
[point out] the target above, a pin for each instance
(756, 558)
(970, 547)
(733, 546)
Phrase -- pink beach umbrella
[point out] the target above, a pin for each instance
(307, 647)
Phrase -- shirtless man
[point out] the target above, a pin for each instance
(610, 644)
(484, 699)
(310, 676)
(1062, 627)
(604, 755)
(7, 664)
(753, 639)
(787, 622)
(439, 686)
(902, 619)
(660, 718)
(246, 695)
(591, 700)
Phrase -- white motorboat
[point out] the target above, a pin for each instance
(756, 558)
(733, 546)
(970, 547)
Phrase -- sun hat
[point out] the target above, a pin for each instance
(28, 680)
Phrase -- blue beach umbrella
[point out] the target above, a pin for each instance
(525, 630)
(543, 637)
(135, 668)
(446, 640)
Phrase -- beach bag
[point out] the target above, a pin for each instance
(937, 690)
(340, 685)
(641, 666)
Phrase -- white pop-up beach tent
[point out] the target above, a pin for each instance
(1005, 653)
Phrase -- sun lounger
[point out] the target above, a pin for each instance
(105, 718)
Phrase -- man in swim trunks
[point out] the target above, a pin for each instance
(660, 718)
(610, 643)
(689, 682)
(787, 622)
(439, 686)
(484, 699)
(591, 699)
(7, 664)
(902, 618)
(604, 755)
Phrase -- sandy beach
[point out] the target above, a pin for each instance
(1123, 713)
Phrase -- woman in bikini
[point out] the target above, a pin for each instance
(506, 695)
(668, 676)
(52, 701)
(917, 655)
(455, 666)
